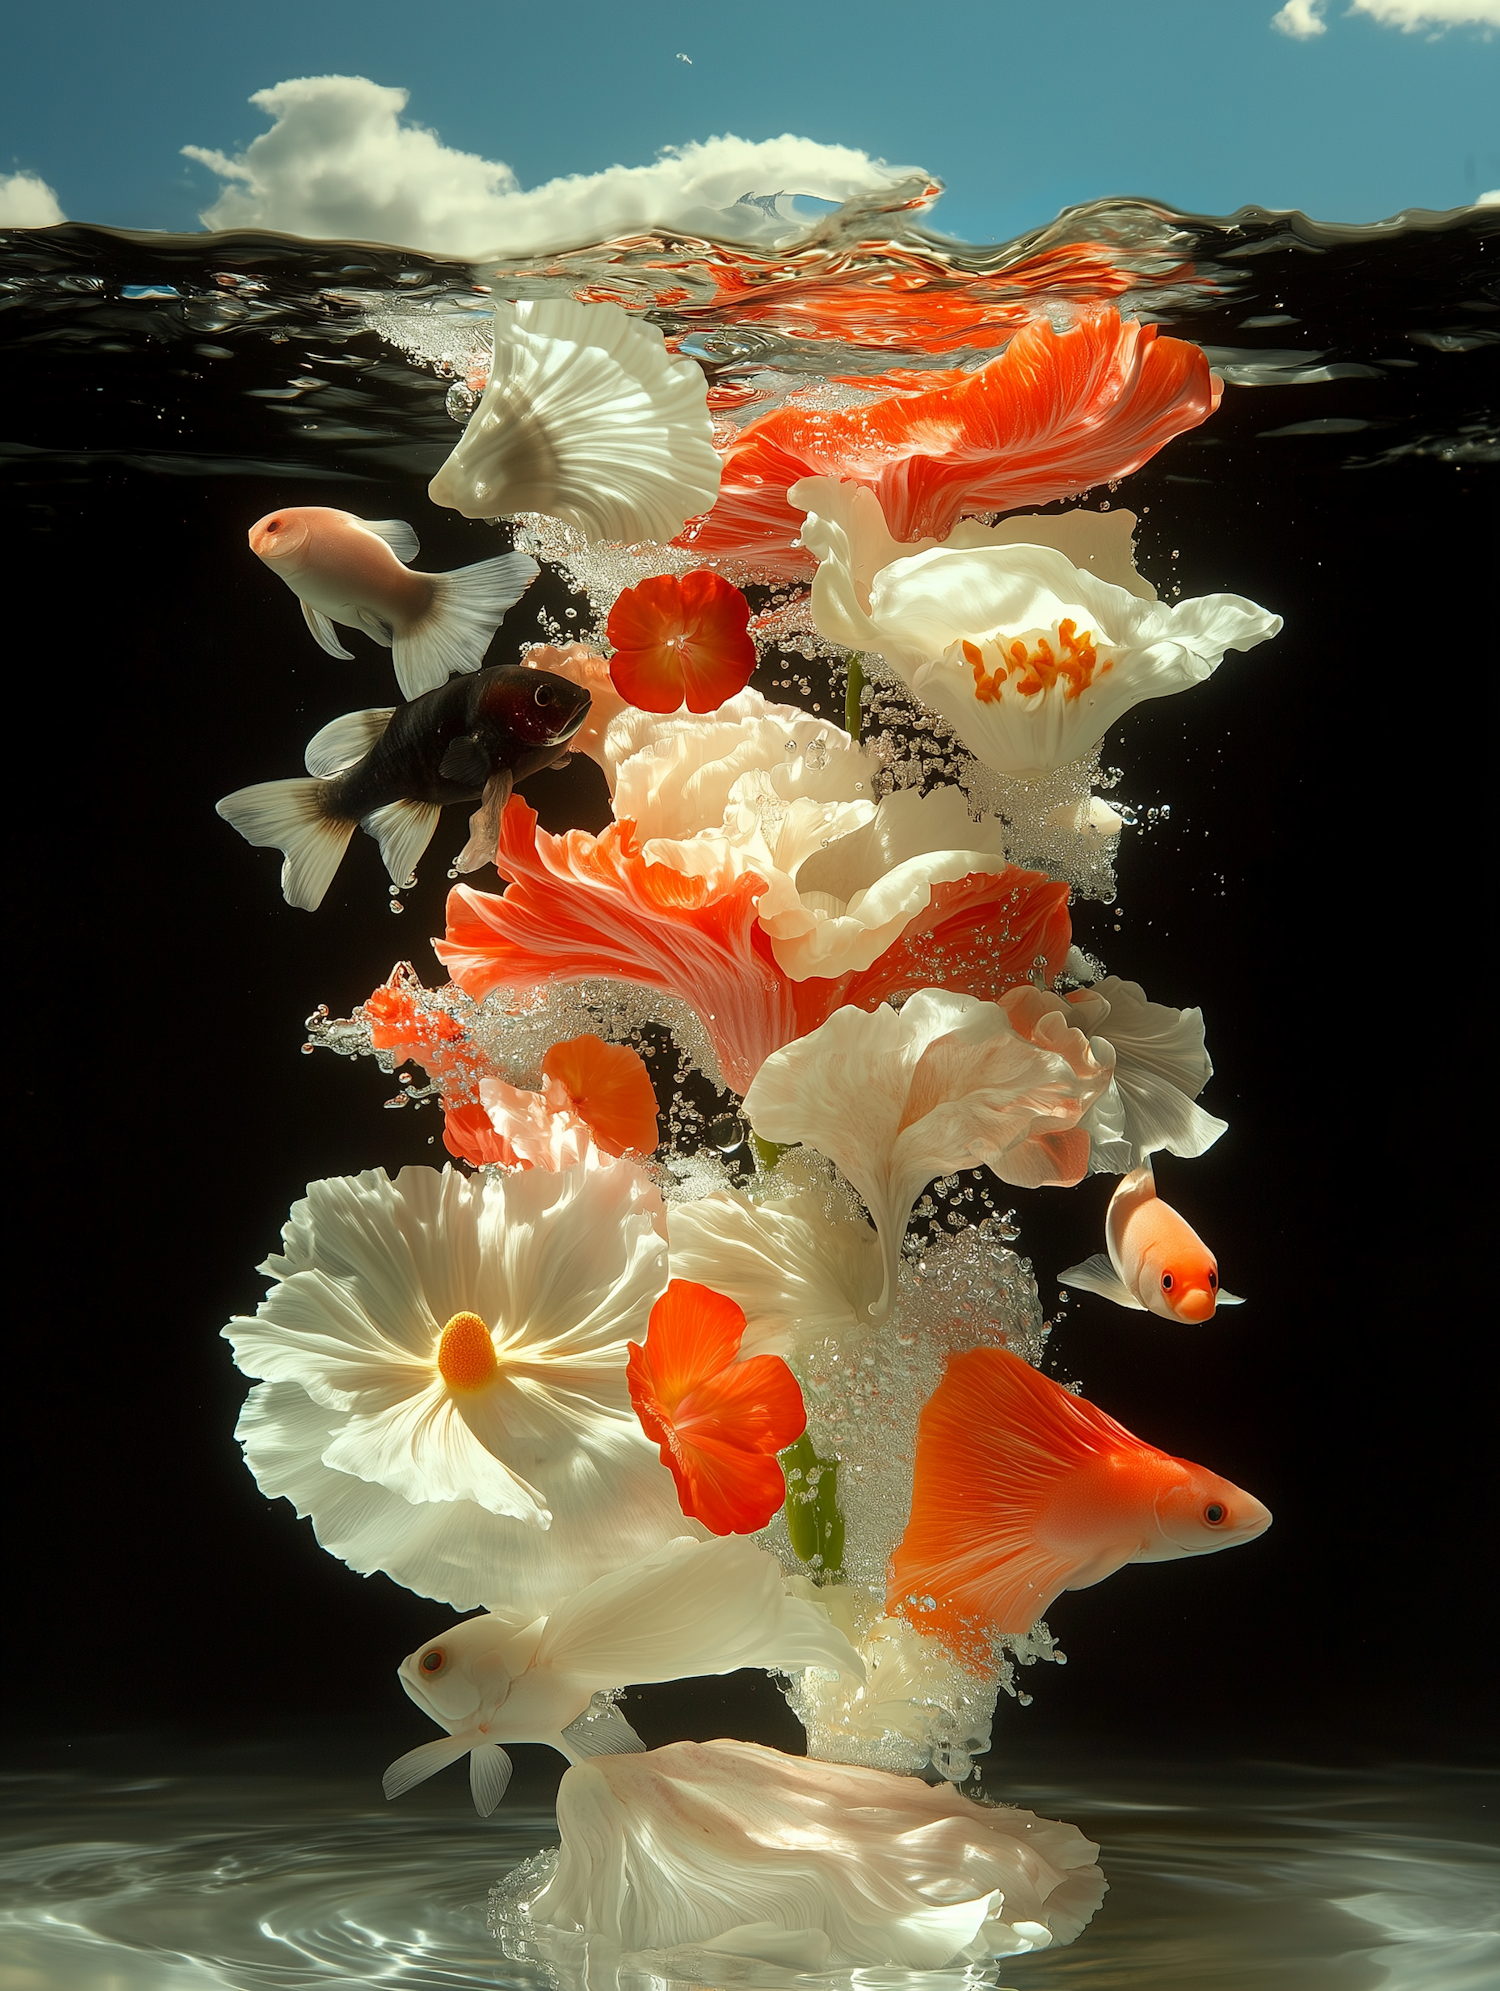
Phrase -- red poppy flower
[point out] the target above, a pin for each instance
(719, 1423)
(680, 638)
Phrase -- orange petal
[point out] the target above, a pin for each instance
(731, 1492)
(469, 1133)
(755, 1405)
(680, 638)
(611, 1090)
(693, 1333)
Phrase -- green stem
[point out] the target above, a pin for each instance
(767, 1153)
(813, 1521)
(856, 685)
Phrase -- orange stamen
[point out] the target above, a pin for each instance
(1040, 669)
(466, 1356)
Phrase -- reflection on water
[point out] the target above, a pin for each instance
(1219, 1881)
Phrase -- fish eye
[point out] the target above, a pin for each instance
(545, 695)
(1214, 1513)
(1166, 1282)
(1213, 1281)
(431, 1662)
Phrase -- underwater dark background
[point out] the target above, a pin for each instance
(1320, 888)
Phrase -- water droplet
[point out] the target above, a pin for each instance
(459, 401)
(397, 907)
(727, 1134)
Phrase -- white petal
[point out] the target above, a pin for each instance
(423, 1450)
(794, 1270)
(589, 419)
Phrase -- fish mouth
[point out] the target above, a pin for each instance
(573, 724)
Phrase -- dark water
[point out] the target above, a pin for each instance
(1314, 888)
(1247, 1876)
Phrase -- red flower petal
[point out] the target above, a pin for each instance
(729, 1491)
(692, 1334)
(680, 638)
(469, 1133)
(611, 1089)
(755, 1405)
(1055, 414)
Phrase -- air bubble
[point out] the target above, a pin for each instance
(727, 1134)
(459, 401)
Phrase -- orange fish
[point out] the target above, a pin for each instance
(1156, 1261)
(1023, 1490)
(352, 570)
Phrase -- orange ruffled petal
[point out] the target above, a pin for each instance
(718, 1423)
(582, 905)
(611, 1091)
(1053, 415)
(680, 639)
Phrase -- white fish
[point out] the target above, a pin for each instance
(1157, 1262)
(352, 570)
(693, 1607)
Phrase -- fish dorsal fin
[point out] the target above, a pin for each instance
(1131, 1192)
(344, 741)
(1097, 1275)
(601, 1730)
(403, 830)
(489, 1773)
(324, 633)
(465, 763)
(396, 533)
(994, 1442)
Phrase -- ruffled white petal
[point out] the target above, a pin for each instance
(588, 418)
(804, 1864)
(1161, 1065)
(948, 1082)
(796, 1271)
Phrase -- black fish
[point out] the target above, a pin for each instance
(392, 772)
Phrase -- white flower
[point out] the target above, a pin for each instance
(799, 1273)
(894, 1098)
(588, 418)
(1028, 654)
(792, 799)
(1161, 1064)
(444, 1378)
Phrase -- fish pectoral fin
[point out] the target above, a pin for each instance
(1097, 1275)
(484, 824)
(376, 628)
(397, 534)
(465, 763)
(424, 1761)
(489, 1773)
(403, 831)
(1223, 1299)
(344, 741)
(601, 1730)
(325, 634)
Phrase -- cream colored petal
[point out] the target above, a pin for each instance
(680, 781)
(795, 1271)
(589, 419)
(840, 942)
(541, 1134)
(424, 1449)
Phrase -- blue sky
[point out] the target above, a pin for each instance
(1022, 108)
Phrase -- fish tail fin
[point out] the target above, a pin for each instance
(292, 817)
(403, 831)
(489, 1773)
(1097, 1275)
(993, 1440)
(424, 1761)
(466, 610)
(601, 1730)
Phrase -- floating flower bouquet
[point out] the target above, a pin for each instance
(659, 1401)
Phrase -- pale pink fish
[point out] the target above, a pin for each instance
(1157, 1261)
(352, 570)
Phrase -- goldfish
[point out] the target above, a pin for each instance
(692, 1607)
(391, 771)
(1156, 1261)
(1023, 1490)
(353, 570)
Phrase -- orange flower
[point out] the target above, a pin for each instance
(1053, 415)
(610, 1090)
(677, 638)
(581, 905)
(719, 1422)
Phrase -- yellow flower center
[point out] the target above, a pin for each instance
(1073, 663)
(466, 1356)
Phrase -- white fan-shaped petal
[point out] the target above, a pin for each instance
(588, 418)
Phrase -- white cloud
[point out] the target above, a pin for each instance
(1412, 15)
(339, 163)
(1301, 19)
(26, 201)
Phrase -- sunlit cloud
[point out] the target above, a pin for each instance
(340, 162)
(26, 201)
(1301, 19)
